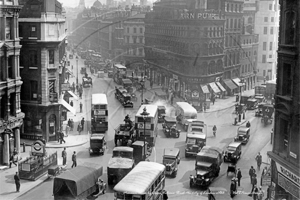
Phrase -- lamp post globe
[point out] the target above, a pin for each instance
(145, 114)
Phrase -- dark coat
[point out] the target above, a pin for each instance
(239, 174)
(74, 157)
(17, 178)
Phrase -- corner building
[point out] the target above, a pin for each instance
(285, 174)
(11, 117)
(184, 46)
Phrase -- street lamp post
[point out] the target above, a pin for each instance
(77, 70)
(142, 87)
(241, 85)
(145, 114)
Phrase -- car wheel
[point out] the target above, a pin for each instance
(191, 184)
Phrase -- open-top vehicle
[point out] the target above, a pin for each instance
(97, 144)
(243, 135)
(258, 112)
(194, 143)
(171, 160)
(124, 134)
(170, 127)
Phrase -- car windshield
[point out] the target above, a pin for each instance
(191, 141)
(122, 154)
(231, 148)
(242, 133)
(196, 129)
(168, 160)
(204, 168)
(170, 123)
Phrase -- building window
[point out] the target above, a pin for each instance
(263, 59)
(12, 102)
(270, 6)
(140, 51)
(227, 24)
(8, 28)
(231, 23)
(141, 30)
(33, 90)
(290, 25)
(286, 89)
(10, 67)
(51, 56)
(265, 30)
(18, 102)
(134, 30)
(270, 56)
(250, 20)
(271, 46)
(33, 58)
(134, 39)
(52, 88)
(272, 19)
(264, 46)
(33, 31)
(265, 19)
(284, 137)
(271, 30)
(127, 29)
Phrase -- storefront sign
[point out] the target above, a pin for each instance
(11, 124)
(293, 155)
(195, 94)
(209, 14)
(65, 86)
(266, 178)
(38, 148)
(288, 180)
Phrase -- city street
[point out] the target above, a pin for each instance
(260, 136)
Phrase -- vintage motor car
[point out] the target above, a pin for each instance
(161, 113)
(251, 104)
(124, 134)
(258, 112)
(169, 127)
(207, 166)
(259, 97)
(140, 151)
(243, 135)
(194, 143)
(171, 160)
(124, 97)
(87, 81)
(127, 84)
(267, 113)
(233, 152)
(97, 144)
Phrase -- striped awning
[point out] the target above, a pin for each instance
(67, 106)
(221, 87)
(230, 84)
(204, 89)
(214, 87)
(237, 81)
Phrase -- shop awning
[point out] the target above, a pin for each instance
(230, 84)
(68, 71)
(237, 81)
(73, 95)
(221, 87)
(214, 87)
(204, 89)
(67, 106)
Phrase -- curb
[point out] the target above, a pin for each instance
(67, 146)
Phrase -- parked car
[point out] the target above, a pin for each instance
(243, 135)
(233, 152)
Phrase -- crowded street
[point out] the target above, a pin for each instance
(178, 187)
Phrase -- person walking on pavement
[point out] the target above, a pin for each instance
(251, 173)
(62, 137)
(261, 193)
(17, 181)
(67, 130)
(74, 159)
(79, 128)
(255, 193)
(80, 106)
(258, 159)
(254, 182)
(64, 156)
(239, 176)
(77, 88)
(82, 123)
(13, 158)
(214, 130)
(71, 103)
(72, 125)
(69, 122)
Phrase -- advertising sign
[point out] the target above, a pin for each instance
(65, 86)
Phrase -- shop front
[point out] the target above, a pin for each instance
(285, 179)
(229, 86)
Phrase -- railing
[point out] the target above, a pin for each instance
(34, 167)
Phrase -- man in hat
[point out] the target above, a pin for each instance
(17, 181)
(239, 176)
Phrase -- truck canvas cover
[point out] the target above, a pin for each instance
(77, 180)
(120, 163)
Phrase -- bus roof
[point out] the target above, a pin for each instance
(186, 107)
(151, 109)
(139, 179)
(99, 99)
(119, 66)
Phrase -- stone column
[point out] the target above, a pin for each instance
(17, 138)
(6, 149)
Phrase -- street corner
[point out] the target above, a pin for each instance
(71, 141)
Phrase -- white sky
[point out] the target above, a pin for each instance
(74, 3)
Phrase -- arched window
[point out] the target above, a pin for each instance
(290, 27)
(204, 68)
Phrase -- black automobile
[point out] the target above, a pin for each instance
(169, 126)
(233, 152)
(161, 113)
(243, 135)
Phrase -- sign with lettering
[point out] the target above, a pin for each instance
(288, 174)
(204, 15)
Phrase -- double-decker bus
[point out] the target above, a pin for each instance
(119, 72)
(99, 113)
(151, 121)
(144, 182)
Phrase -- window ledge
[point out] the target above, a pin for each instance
(287, 98)
(33, 67)
(21, 67)
(32, 38)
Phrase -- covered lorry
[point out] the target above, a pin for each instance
(77, 183)
(120, 164)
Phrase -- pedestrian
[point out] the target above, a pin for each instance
(69, 122)
(165, 195)
(71, 103)
(80, 106)
(12, 160)
(67, 130)
(239, 176)
(74, 159)
(261, 193)
(251, 173)
(151, 84)
(17, 181)
(72, 67)
(172, 98)
(79, 128)
(254, 182)
(77, 88)
(57, 135)
(64, 156)
(213, 99)
(204, 106)
(82, 123)
(80, 93)
(255, 193)
(62, 137)
(258, 159)
(72, 125)
(232, 188)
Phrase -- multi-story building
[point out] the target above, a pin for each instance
(42, 63)
(285, 156)
(266, 26)
(184, 46)
(11, 117)
(249, 46)
(134, 40)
